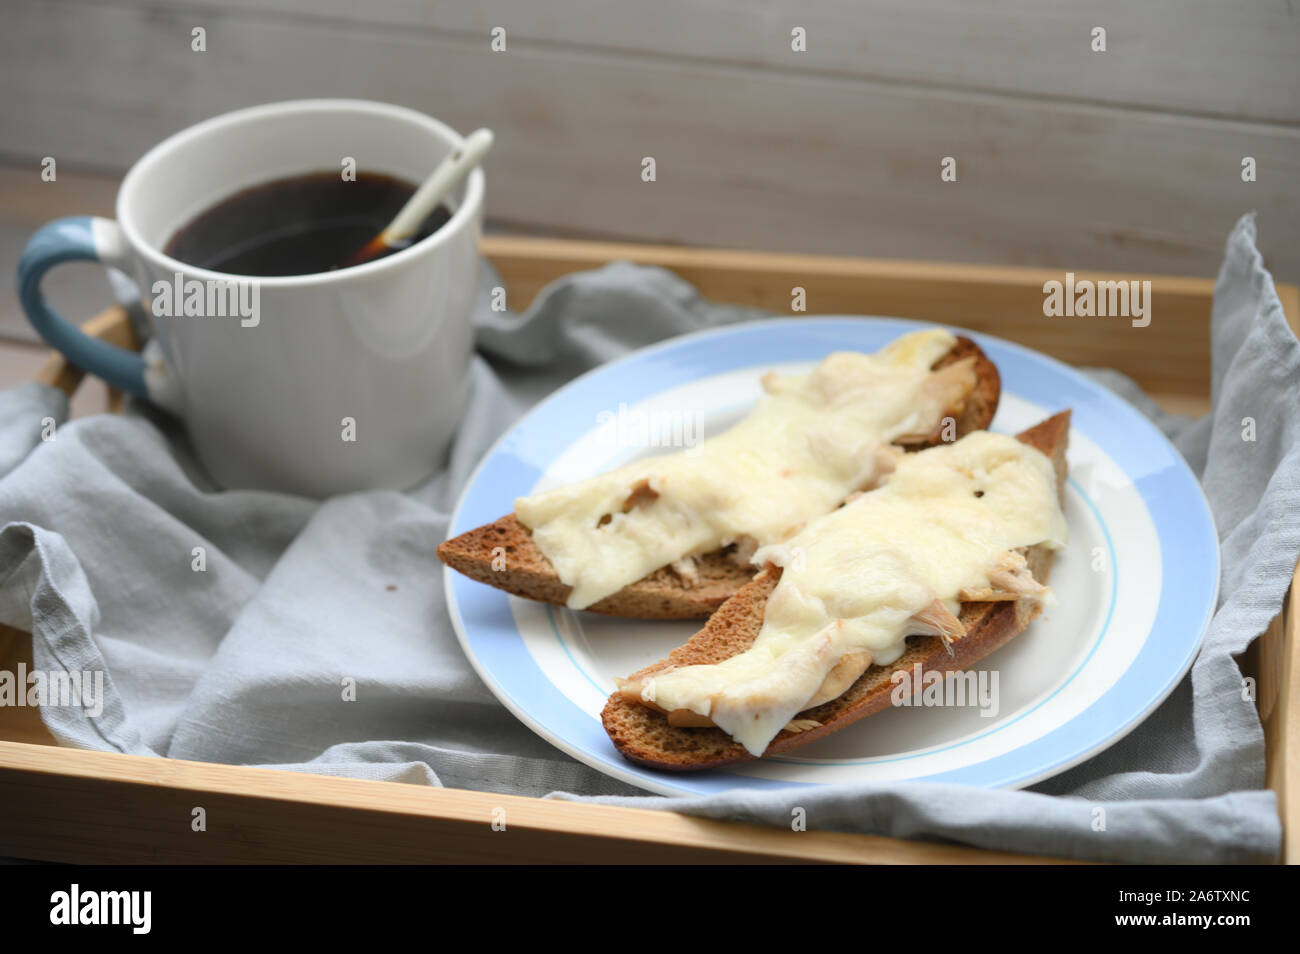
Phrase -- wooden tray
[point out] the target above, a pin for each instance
(63, 804)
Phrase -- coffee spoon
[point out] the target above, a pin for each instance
(433, 190)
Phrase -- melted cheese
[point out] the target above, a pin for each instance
(853, 580)
(811, 440)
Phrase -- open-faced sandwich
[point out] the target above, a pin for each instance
(942, 562)
(674, 536)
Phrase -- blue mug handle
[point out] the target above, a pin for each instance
(78, 238)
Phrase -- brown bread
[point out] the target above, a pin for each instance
(644, 736)
(665, 594)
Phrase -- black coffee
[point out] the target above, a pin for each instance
(297, 226)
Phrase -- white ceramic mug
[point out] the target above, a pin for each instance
(345, 380)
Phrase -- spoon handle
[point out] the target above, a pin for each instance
(441, 181)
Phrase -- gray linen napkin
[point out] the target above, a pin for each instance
(301, 605)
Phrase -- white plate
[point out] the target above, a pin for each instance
(1135, 587)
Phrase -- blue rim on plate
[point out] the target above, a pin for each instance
(486, 627)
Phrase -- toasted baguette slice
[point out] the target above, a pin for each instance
(643, 735)
(666, 594)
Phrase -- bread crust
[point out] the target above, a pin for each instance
(664, 593)
(643, 735)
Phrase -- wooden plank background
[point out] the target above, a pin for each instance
(1127, 160)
